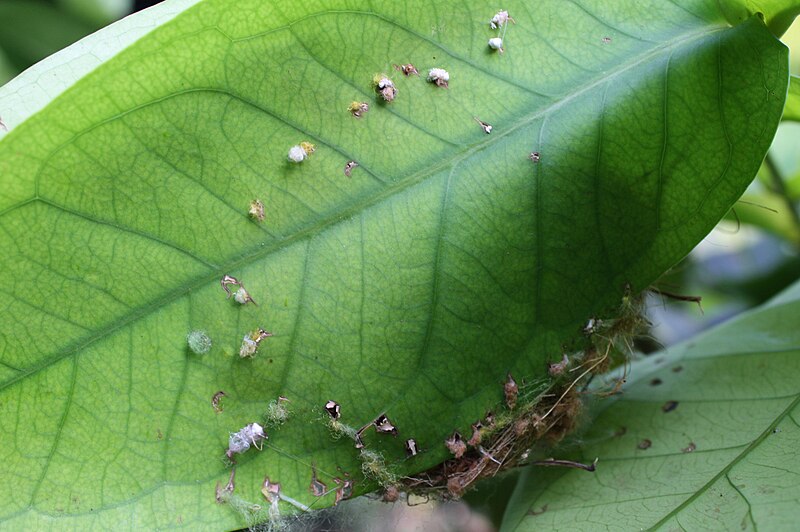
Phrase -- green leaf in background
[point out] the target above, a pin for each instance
(32, 30)
(448, 259)
(99, 12)
(724, 458)
(778, 14)
(792, 111)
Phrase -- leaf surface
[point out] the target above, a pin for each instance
(448, 259)
(721, 459)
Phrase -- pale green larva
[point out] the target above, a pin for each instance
(199, 342)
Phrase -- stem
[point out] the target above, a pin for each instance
(779, 188)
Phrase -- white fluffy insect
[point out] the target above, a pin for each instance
(385, 87)
(248, 348)
(500, 19)
(199, 342)
(299, 153)
(241, 441)
(439, 76)
(242, 296)
(496, 43)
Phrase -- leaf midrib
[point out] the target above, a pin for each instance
(750, 448)
(326, 222)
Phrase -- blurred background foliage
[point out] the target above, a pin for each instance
(752, 255)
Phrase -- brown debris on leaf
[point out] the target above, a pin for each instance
(407, 69)
(455, 444)
(215, 401)
(344, 491)
(559, 368)
(511, 391)
(539, 415)
(222, 494)
(477, 434)
(317, 488)
(271, 490)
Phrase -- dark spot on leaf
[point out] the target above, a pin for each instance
(317, 488)
(644, 444)
(689, 448)
(677, 369)
(776, 430)
(669, 406)
(656, 382)
(620, 431)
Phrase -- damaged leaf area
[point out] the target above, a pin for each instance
(724, 457)
(400, 299)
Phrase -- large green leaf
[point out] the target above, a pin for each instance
(448, 259)
(737, 406)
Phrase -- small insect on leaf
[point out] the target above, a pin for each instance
(257, 210)
(455, 444)
(487, 128)
(348, 168)
(407, 69)
(411, 447)
(358, 109)
(300, 152)
(439, 76)
(500, 19)
(384, 87)
(250, 435)
(242, 296)
(535, 157)
(250, 342)
(333, 409)
(496, 43)
(384, 426)
(511, 391)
